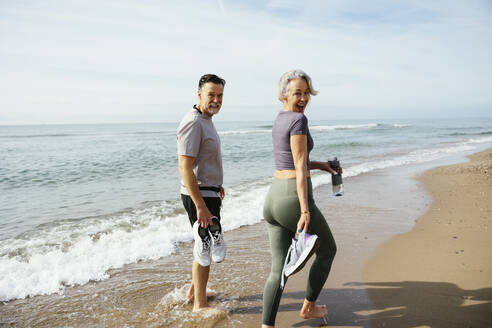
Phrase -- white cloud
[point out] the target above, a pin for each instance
(114, 61)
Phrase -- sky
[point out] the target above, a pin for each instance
(121, 61)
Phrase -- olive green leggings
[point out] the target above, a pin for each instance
(281, 212)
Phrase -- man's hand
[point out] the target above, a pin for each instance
(204, 217)
(222, 193)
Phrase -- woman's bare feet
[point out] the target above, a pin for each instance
(311, 310)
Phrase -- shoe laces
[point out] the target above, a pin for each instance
(218, 239)
(297, 247)
(206, 244)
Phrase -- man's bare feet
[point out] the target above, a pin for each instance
(204, 307)
(311, 310)
(190, 295)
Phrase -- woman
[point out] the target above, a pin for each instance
(289, 205)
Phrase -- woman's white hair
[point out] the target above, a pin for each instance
(283, 83)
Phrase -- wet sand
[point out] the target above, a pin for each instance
(152, 293)
(440, 273)
(435, 273)
(374, 208)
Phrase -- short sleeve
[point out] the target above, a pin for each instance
(299, 125)
(189, 138)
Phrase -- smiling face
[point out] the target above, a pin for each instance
(210, 98)
(297, 96)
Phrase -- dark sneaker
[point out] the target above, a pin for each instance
(218, 243)
(203, 242)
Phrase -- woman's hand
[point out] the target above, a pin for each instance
(303, 223)
(326, 167)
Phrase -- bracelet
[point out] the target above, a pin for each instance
(304, 212)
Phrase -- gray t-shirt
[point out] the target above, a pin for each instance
(198, 138)
(288, 124)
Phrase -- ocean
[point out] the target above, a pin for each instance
(77, 201)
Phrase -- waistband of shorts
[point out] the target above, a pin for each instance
(213, 188)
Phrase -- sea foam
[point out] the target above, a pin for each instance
(73, 252)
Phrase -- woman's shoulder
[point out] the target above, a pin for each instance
(292, 116)
(298, 119)
(290, 123)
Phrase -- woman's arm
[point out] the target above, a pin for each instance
(325, 166)
(298, 145)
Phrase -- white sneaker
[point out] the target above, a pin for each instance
(299, 252)
(203, 242)
(218, 244)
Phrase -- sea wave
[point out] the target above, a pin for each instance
(232, 132)
(478, 140)
(29, 136)
(268, 128)
(74, 252)
(413, 157)
(483, 133)
(163, 132)
(356, 126)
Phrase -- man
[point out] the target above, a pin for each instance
(200, 166)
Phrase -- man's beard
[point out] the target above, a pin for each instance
(212, 110)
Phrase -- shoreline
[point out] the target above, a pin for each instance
(376, 209)
(363, 292)
(440, 271)
(360, 220)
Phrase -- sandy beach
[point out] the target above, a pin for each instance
(439, 274)
(411, 253)
(100, 100)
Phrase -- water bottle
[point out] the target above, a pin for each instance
(336, 177)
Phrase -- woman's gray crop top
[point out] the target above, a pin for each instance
(288, 124)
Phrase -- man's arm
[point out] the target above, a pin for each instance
(189, 179)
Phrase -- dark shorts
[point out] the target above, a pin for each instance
(213, 205)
